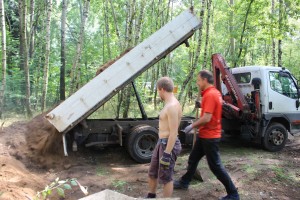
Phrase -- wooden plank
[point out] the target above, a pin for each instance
(101, 88)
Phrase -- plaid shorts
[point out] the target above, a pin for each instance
(155, 170)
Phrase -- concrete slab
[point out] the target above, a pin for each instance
(113, 195)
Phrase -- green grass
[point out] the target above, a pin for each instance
(249, 169)
(100, 171)
(281, 174)
(119, 185)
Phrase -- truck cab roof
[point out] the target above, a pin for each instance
(255, 68)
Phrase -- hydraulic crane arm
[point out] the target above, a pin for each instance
(234, 104)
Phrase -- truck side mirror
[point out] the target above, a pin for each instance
(256, 82)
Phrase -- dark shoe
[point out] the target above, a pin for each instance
(231, 197)
(150, 196)
(178, 184)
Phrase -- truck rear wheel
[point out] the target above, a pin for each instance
(275, 137)
(141, 142)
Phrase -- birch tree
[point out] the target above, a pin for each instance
(197, 54)
(115, 23)
(105, 10)
(74, 71)
(207, 34)
(32, 29)
(3, 38)
(24, 54)
(62, 84)
(47, 55)
(280, 19)
(272, 33)
(243, 34)
(129, 42)
(232, 40)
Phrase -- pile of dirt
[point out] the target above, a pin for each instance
(109, 63)
(28, 151)
(16, 182)
(44, 143)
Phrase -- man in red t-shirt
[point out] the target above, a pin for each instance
(207, 142)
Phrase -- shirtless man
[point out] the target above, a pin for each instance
(168, 146)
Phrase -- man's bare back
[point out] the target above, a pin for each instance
(170, 108)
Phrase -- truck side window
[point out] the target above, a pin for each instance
(283, 85)
(242, 77)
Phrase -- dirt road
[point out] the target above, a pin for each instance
(258, 174)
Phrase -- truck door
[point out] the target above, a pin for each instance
(283, 93)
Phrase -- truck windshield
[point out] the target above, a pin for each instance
(283, 84)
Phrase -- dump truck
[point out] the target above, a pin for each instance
(259, 102)
(138, 135)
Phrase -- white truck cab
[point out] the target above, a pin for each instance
(258, 101)
(279, 101)
(279, 95)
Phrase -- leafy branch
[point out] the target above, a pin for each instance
(60, 186)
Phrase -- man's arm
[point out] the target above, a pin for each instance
(173, 123)
(202, 120)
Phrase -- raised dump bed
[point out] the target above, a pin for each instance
(139, 136)
(101, 88)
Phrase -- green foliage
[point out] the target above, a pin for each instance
(101, 172)
(281, 174)
(59, 186)
(102, 43)
(119, 185)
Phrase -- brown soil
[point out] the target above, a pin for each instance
(31, 157)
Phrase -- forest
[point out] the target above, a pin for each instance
(52, 48)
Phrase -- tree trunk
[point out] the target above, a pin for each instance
(272, 35)
(207, 34)
(38, 75)
(107, 30)
(24, 54)
(232, 40)
(197, 54)
(62, 89)
(3, 38)
(79, 45)
(116, 24)
(155, 91)
(129, 30)
(47, 55)
(280, 33)
(120, 99)
(139, 23)
(243, 33)
(32, 29)
(127, 90)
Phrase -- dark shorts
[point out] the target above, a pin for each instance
(155, 171)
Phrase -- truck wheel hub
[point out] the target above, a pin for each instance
(146, 145)
(277, 137)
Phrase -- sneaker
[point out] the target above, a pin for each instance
(231, 197)
(150, 196)
(178, 184)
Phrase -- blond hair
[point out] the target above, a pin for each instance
(165, 83)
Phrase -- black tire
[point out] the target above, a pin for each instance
(275, 137)
(141, 142)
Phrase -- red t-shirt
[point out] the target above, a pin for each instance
(211, 103)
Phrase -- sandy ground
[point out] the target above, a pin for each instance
(31, 157)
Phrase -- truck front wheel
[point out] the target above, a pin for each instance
(275, 137)
(141, 142)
